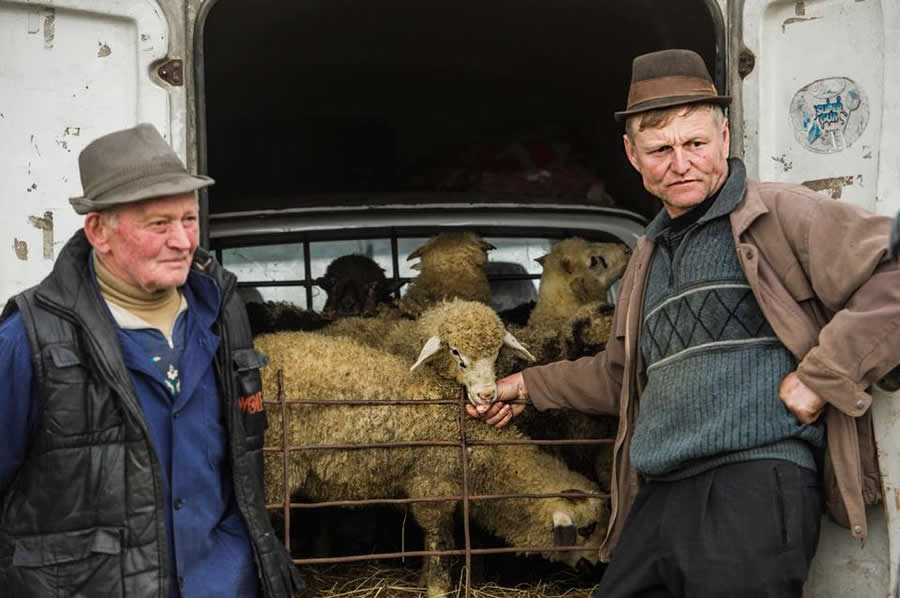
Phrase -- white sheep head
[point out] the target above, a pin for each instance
(576, 523)
(462, 342)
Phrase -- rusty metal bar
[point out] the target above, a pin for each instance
(284, 462)
(451, 552)
(465, 488)
(404, 501)
(342, 402)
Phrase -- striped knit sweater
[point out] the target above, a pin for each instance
(713, 362)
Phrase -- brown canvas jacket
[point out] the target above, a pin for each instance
(819, 272)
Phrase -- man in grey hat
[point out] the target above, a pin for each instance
(132, 426)
(750, 322)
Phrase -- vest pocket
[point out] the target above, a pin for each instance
(247, 363)
(75, 564)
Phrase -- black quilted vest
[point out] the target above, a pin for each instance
(83, 517)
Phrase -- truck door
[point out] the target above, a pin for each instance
(818, 89)
(71, 70)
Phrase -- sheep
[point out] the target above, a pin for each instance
(272, 316)
(575, 272)
(472, 332)
(340, 368)
(356, 286)
(451, 265)
(571, 318)
(575, 279)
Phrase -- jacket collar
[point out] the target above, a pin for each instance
(748, 211)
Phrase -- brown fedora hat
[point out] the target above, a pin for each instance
(131, 165)
(669, 78)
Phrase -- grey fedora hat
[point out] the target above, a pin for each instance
(669, 78)
(131, 165)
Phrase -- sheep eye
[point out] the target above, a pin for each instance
(598, 259)
(454, 351)
(588, 530)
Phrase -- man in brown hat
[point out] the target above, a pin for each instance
(750, 322)
(130, 460)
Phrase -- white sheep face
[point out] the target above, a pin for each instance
(575, 523)
(477, 374)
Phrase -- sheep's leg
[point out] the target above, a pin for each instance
(437, 523)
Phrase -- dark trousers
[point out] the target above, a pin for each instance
(741, 530)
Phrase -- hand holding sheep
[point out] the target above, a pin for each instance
(500, 413)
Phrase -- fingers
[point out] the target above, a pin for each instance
(803, 402)
(502, 416)
(511, 387)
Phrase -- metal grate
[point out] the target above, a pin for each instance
(465, 497)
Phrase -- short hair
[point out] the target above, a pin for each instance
(653, 119)
(111, 215)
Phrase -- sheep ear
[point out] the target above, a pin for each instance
(541, 260)
(487, 246)
(432, 346)
(510, 341)
(419, 251)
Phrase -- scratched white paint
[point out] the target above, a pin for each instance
(59, 89)
(797, 44)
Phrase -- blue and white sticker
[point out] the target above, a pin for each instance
(829, 115)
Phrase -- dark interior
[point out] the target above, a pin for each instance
(306, 99)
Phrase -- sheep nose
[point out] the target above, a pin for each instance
(486, 396)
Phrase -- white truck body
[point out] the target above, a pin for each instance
(820, 106)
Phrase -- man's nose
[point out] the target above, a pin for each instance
(680, 162)
(179, 238)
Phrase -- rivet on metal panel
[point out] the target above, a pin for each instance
(172, 72)
(746, 62)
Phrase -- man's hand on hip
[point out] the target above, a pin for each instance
(800, 399)
(499, 413)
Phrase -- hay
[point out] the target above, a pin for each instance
(374, 581)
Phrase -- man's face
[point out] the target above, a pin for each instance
(151, 243)
(682, 162)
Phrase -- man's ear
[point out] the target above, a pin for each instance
(97, 231)
(726, 137)
(629, 151)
